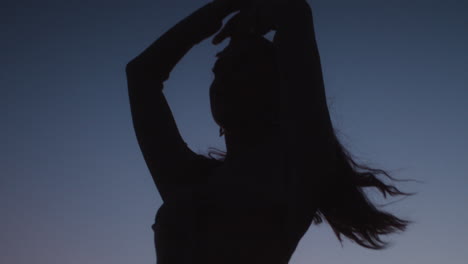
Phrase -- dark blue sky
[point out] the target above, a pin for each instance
(74, 187)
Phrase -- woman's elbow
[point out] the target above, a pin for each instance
(133, 67)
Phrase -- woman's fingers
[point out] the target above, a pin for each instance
(227, 30)
(233, 5)
(255, 17)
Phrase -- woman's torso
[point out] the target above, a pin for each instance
(237, 216)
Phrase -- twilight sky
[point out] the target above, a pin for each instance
(74, 187)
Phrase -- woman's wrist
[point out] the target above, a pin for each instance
(210, 17)
(202, 23)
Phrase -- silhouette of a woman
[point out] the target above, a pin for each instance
(284, 168)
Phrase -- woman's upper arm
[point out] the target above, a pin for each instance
(306, 125)
(164, 150)
(301, 78)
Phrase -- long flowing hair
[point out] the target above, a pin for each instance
(346, 207)
(342, 202)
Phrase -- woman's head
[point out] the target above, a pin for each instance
(245, 90)
(337, 187)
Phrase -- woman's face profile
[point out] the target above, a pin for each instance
(242, 90)
(229, 91)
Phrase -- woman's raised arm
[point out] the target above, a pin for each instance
(307, 142)
(166, 154)
(307, 129)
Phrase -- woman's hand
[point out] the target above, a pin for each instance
(256, 16)
(228, 6)
(217, 11)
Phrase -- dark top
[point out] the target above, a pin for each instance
(210, 213)
(221, 221)
(204, 219)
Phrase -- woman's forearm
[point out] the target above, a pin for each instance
(161, 56)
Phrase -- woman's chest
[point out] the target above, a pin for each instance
(257, 179)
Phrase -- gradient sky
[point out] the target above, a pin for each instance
(74, 187)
